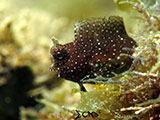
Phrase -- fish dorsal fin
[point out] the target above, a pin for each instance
(90, 28)
(115, 24)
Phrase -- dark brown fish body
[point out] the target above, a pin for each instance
(96, 50)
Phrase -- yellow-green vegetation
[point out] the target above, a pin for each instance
(25, 40)
(125, 6)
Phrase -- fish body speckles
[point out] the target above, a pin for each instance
(97, 49)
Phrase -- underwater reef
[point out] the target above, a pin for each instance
(30, 91)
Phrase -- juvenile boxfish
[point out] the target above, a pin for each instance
(96, 50)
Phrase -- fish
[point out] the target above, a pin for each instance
(97, 50)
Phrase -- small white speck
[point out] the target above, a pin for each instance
(121, 38)
(122, 63)
(111, 40)
(75, 62)
(82, 43)
(96, 65)
(109, 59)
(118, 57)
(91, 63)
(95, 74)
(114, 54)
(99, 48)
(98, 60)
(76, 27)
(99, 43)
(114, 49)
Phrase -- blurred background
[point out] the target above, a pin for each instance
(28, 90)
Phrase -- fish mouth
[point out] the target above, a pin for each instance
(52, 67)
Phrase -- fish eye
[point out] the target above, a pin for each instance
(60, 55)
